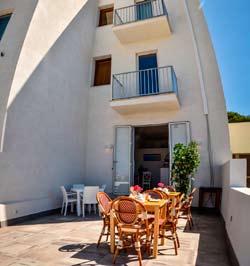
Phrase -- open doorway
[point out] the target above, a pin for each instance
(145, 149)
(151, 156)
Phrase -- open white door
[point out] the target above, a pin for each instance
(123, 160)
(179, 132)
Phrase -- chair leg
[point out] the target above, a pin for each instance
(175, 242)
(95, 208)
(139, 256)
(191, 219)
(108, 233)
(72, 207)
(100, 237)
(115, 255)
(83, 210)
(62, 207)
(89, 208)
(189, 222)
(177, 239)
(66, 207)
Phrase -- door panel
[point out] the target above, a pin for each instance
(148, 75)
(122, 160)
(179, 132)
(144, 10)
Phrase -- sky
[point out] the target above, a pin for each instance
(229, 25)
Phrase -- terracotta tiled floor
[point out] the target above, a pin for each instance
(56, 240)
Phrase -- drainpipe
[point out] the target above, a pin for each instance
(3, 132)
(203, 91)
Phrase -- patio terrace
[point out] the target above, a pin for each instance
(57, 240)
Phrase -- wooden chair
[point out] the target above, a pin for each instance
(104, 203)
(186, 209)
(164, 194)
(154, 194)
(171, 188)
(132, 224)
(170, 224)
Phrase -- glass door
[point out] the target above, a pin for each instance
(148, 74)
(144, 10)
(123, 160)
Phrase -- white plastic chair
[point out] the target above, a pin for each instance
(81, 186)
(68, 197)
(102, 188)
(89, 198)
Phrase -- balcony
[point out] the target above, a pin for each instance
(151, 90)
(140, 22)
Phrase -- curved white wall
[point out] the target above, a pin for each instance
(45, 135)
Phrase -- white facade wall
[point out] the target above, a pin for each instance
(46, 102)
(236, 208)
(177, 50)
(57, 124)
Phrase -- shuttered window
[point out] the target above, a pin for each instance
(102, 72)
(106, 16)
(4, 20)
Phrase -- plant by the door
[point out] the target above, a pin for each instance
(186, 160)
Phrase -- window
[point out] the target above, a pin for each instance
(102, 72)
(4, 20)
(106, 16)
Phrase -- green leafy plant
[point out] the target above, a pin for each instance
(234, 117)
(186, 160)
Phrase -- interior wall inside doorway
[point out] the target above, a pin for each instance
(151, 152)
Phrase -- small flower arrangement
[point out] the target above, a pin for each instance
(135, 190)
(161, 185)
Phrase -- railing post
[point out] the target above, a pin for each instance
(164, 7)
(113, 80)
(151, 82)
(130, 13)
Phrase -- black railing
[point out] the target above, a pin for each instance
(144, 82)
(140, 11)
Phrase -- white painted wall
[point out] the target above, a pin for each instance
(170, 51)
(47, 104)
(239, 137)
(57, 124)
(153, 166)
(236, 208)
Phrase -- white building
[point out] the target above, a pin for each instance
(92, 91)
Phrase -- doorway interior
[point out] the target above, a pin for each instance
(139, 149)
(151, 155)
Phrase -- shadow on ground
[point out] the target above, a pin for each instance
(91, 255)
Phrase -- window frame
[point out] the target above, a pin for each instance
(3, 15)
(95, 63)
(105, 9)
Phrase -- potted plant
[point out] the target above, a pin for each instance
(186, 160)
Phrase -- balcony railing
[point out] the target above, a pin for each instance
(152, 81)
(140, 11)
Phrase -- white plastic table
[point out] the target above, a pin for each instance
(78, 192)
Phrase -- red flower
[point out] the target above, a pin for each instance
(161, 185)
(137, 188)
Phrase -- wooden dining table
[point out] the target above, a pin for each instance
(158, 208)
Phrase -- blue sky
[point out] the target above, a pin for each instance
(229, 26)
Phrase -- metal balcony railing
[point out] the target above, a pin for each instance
(152, 81)
(140, 11)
